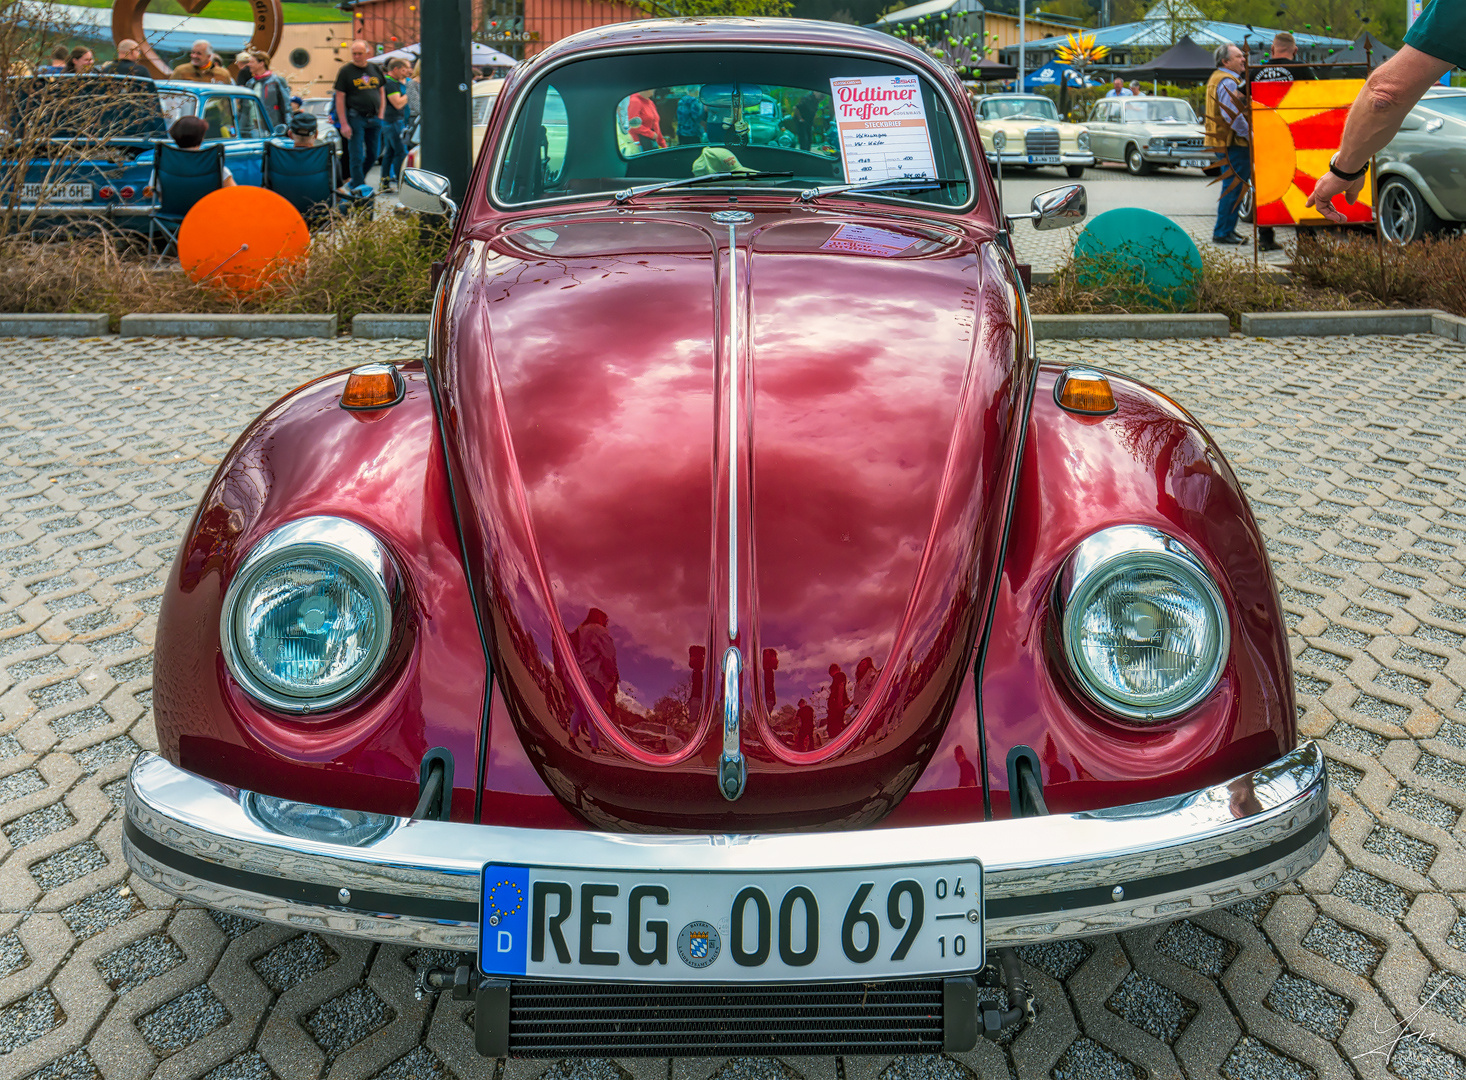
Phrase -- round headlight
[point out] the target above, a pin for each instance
(1000, 140)
(1083, 140)
(326, 824)
(1144, 627)
(308, 617)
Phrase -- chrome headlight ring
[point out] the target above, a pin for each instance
(1082, 141)
(1165, 597)
(333, 560)
(1000, 140)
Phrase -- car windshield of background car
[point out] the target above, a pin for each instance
(1449, 105)
(1037, 108)
(1162, 111)
(697, 113)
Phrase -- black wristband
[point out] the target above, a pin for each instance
(1345, 176)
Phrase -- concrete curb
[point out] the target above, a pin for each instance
(1070, 327)
(1335, 323)
(390, 326)
(236, 326)
(89, 325)
(1450, 327)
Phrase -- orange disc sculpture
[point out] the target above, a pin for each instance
(241, 238)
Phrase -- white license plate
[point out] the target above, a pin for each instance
(64, 193)
(1195, 163)
(717, 926)
(1043, 159)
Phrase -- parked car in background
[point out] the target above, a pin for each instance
(673, 647)
(320, 108)
(485, 92)
(1146, 132)
(92, 137)
(1422, 172)
(1024, 131)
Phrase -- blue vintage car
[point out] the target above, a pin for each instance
(89, 143)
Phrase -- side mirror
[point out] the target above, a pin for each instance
(280, 131)
(1057, 207)
(426, 192)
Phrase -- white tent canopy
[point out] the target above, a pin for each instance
(483, 56)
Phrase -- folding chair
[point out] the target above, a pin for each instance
(180, 179)
(307, 178)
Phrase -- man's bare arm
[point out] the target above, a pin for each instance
(1376, 115)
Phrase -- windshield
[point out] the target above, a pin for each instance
(1040, 108)
(1158, 111)
(1452, 105)
(606, 123)
(95, 108)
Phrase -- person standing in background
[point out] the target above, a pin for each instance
(272, 90)
(1227, 135)
(414, 93)
(129, 61)
(360, 105)
(1281, 66)
(79, 61)
(200, 66)
(394, 119)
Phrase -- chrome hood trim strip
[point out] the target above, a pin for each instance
(1045, 878)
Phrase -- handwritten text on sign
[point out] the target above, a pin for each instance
(883, 130)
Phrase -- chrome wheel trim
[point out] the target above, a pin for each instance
(1134, 161)
(1397, 214)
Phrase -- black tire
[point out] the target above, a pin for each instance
(1135, 163)
(1404, 215)
(1074, 171)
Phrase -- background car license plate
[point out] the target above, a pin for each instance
(1043, 159)
(59, 193)
(1195, 163)
(673, 926)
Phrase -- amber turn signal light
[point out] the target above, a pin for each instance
(373, 386)
(1084, 391)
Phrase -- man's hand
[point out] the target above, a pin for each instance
(345, 130)
(1388, 96)
(1330, 185)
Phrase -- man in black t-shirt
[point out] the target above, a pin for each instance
(1282, 66)
(360, 105)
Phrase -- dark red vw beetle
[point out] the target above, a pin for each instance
(730, 632)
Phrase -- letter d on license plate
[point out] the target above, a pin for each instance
(729, 926)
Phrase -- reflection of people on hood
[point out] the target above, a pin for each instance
(804, 727)
(865, 681)
(595, 655)
(839, 701)
(717, 159)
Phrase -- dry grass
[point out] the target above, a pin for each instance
(380, 265)
(1229, 285)
(1427, 274)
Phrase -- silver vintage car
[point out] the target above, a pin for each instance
(1146, 132)
(1422, 172)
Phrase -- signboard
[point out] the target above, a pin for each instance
(1296, 128)
(881, 121)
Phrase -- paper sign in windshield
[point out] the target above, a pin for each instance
(881, 120)
(867, 240)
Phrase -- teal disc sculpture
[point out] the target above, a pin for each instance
(1139, 259)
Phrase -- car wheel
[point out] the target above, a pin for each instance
(1137, 165)
(1074, 171)
(1404, 216)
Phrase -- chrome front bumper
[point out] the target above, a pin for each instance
(1067, 157)
(1045, 878)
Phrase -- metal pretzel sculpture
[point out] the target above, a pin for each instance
(127, 22)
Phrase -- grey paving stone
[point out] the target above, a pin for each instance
(76, 1065)
(39, 824)
(184, 1020)
(20, 784)
(1345, 947)
(1369, 891)
(1057, 958)
(1086, 1059)
(925, 1067)
(247, 1066)
(1253, 1060)
(1423, 807)
(1187, 943)
(344, 1021)
(1420, 1059)
(1392, 844)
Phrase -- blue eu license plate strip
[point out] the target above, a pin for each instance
(730, 926)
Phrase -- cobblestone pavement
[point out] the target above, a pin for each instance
(1354, 450)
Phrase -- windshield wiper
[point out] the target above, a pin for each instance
(908, 183)
(627, 194)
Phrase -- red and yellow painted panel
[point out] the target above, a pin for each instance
(1296, 128)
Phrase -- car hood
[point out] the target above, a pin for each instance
(596, 409)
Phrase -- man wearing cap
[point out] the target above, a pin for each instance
(129, 61)
(1434, 45)
(200, 66)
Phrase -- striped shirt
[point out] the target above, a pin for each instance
(1229, 102)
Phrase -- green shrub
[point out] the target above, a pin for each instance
(1427, 274)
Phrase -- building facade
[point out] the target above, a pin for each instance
(520, 28)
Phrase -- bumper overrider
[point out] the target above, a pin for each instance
(1044, 878)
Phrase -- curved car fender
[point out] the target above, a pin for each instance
(1148, 463)
(1419, 183)
(383, 468)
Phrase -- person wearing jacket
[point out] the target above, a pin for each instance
(272, 90)
(1227, 136)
